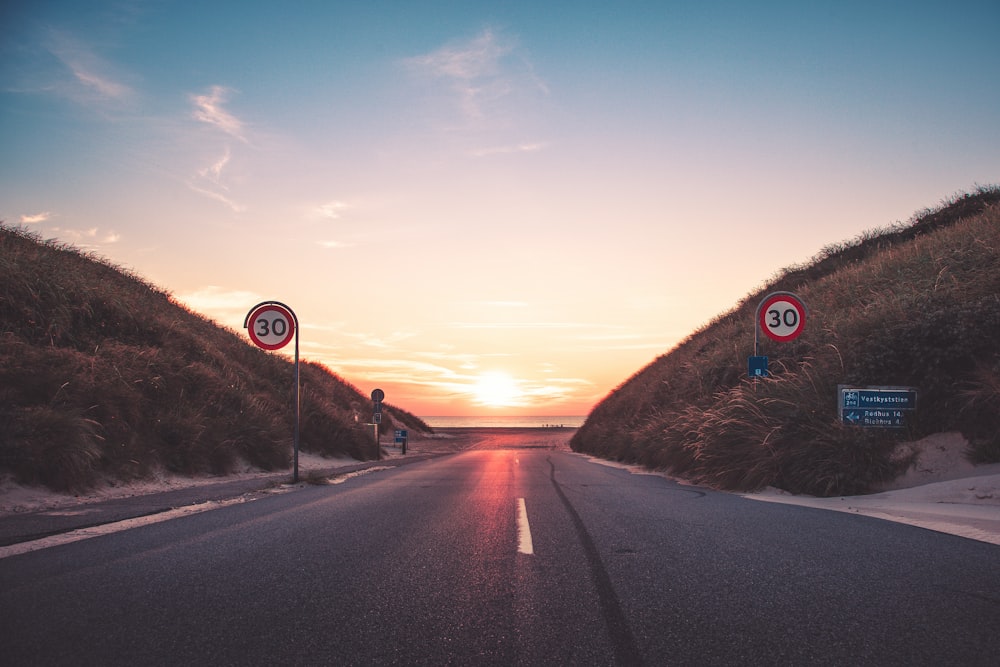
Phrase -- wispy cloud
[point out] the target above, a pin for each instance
(104, 86)
(210, 182)
(385, 342)
(209, 108)
(329, 211)
(401, 371)
(218, 196)
(551, 390)
(35, 218)
(618, 341)
(335, 244)
(466, 61)
(213, 172)
(478, 72)
(224, 305)
(529, 325)
(506, 304)
(95, 81)
(512, 149)
(92, 237)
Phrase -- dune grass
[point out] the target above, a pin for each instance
(103, 375)
(912, 305)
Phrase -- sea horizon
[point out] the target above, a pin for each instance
(505, 421)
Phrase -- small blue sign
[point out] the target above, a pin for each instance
(400, 435)
(757, 367)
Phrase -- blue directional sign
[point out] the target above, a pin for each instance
(874, 417)
(881, 407)
(900, 399)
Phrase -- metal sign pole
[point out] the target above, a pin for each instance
(274, 334)
(756, 331)
(377, 397)
(295, 441)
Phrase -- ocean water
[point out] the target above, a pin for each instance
(505, 422)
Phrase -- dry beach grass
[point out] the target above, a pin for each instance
(913, 305)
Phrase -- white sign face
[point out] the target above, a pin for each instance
(782, 317)
(271, 327)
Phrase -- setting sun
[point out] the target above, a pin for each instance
(496, 389)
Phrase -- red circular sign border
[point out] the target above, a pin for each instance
(799, 307)
(274, 307)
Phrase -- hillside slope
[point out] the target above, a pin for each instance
(916, 305)
(104, 376)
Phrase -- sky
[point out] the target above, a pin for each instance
(486, 207)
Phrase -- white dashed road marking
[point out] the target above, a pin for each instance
(524, 544)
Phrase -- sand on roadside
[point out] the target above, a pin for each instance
(17, 498)
(941, 491)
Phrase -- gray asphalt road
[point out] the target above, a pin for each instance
(421, 565)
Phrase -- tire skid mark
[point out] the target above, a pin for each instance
(622, 639)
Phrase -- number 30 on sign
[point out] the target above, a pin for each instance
(271, 326)
(782, 316)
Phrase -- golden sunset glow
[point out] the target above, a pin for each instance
(497, 389)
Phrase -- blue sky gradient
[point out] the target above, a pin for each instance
(551, 193)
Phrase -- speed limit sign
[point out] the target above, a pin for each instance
(782, 316)
(271, 326)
